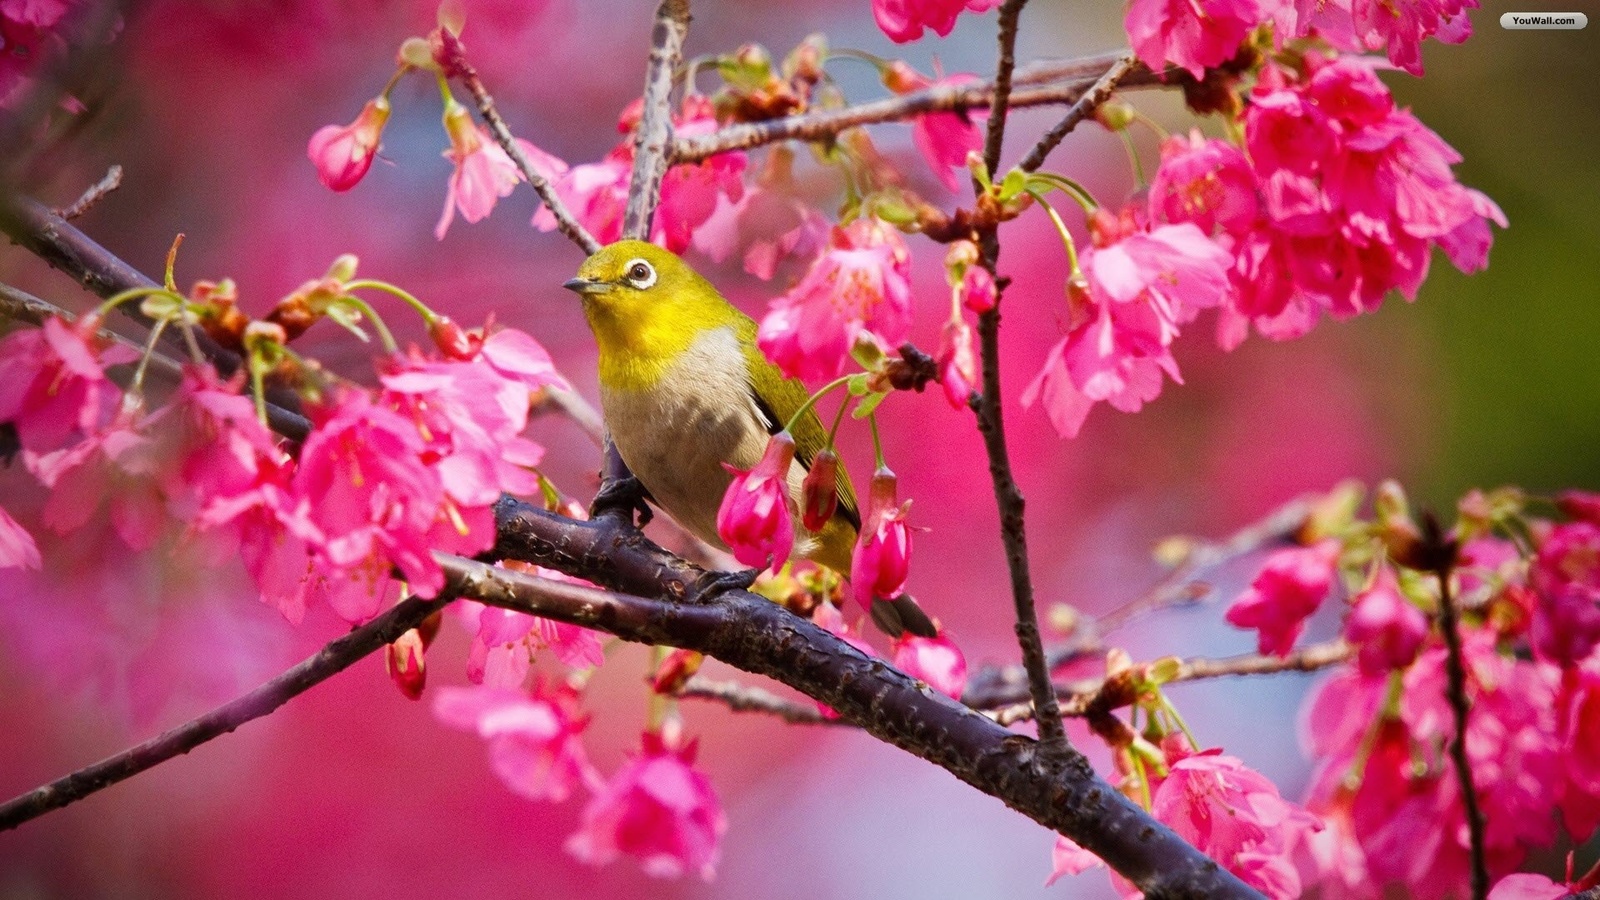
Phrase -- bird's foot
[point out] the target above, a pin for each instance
(711, 584)
(621, 497)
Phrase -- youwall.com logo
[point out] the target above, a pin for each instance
(1543, 20)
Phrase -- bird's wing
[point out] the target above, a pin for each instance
(788, 396)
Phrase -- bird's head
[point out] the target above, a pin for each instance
(640, 298)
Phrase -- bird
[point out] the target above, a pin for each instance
(685, 392)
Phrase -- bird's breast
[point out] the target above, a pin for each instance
(676, 433)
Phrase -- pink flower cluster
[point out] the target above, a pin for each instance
(1199, 34)
(904, 20)
(29, 38)
(597, 193)
(379, 484)
(1226, 810)
(859, 285)
(1340, 200)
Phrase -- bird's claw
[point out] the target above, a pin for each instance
(711, 584)
(621, 497)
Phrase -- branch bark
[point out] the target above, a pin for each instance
(1083, 107)
(1045, 84)
(654, 139)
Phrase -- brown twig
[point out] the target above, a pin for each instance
(1456, 693)
(1083, 107)
(991, 422)
(330, 660)
(748, 698)
(654, 138)
(580, 411)
(1079, 697)
(111, 181)
(1049, 84)
(457, 64)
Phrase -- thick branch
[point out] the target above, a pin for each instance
(1047, 84)
(330, 660)
(1083, 107)
(1056, 788)
(655, 123)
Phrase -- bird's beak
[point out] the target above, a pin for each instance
(587, 286)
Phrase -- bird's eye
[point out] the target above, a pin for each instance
(641, 274)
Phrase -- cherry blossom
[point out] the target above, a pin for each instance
(1191, 34)
(943, 138)
(17, 547)
(904, 20)
(860, 283)
(937, 661)
(659, 808)
(1387, 627)
(882, 555)
(756, 518)
(342, 154)
(484, 171)
(1290, 587)
(53, 385)
(534, 744)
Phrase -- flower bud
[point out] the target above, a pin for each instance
(978, 290)
(756, 516)
(342, 154)
(882, 556)
(404, 659)
(819, 495)
(454, 341)
(675, 670)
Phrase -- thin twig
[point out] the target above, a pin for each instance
(748, 698)
(330, 660)
(991, 422)
(111, 181)
(1081, 109)
(1079, 697)
(1456, 693)
(654, 137)
(1062, 82)
(462, 69)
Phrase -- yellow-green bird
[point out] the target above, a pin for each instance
(684, 389)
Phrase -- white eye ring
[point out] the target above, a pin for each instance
(640, 274)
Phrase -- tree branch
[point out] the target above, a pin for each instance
(991, 422)
(1062, 82)
(655, 123)
(458, 66)
(330, 660)
(748, 698)
(1456, 694)
(1084, 106)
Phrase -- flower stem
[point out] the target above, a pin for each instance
(811, 401)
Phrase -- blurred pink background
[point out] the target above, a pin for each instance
(352, 790)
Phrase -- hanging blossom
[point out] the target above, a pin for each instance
(533, 737)
(1140, 285)
(770, 221)
(756, 518)
(659, 808)
(937, 661)
(861, 283)
(1340, 200)
(504, 641)
(484, 172)
(342, 154)
(943, 138)
(1291, 585)
(597, 193)
(904, 20)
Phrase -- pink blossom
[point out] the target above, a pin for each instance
(406, 663)
(342, 154)
(904, 20)
(597, 194)
(53, 385)
(111, 465)
(1402, 27)
(943, 138)
(1236, 816)
(1204, 181)
(1191, 34)
(756, 518)
(1140, 287)
(958, 368)
(17, 549)
(860, 283)
(534, 744)
(769, 222)
(1291, 585)
(1527, 886)
(936, 661)
(657, 807)
(1566, 576)
(1067, 858)
(1583, 505)
(882, 555)
(978, 292)
(29, 38)
(1387, 627)
(1578, 709)
(374, 501)
(484, 171)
